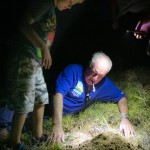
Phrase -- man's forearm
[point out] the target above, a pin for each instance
(114, 9)
(123, 106)
(58, 106)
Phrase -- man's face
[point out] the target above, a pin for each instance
(92, 76)
(66, 4)
(95, 74)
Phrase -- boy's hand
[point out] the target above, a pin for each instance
(46, 58)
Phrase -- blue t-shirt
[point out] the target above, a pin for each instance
(70, 83)
(5, 116)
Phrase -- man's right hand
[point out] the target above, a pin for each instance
(57, 135)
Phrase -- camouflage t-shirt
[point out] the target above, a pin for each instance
(43, 13)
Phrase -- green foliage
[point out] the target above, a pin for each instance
(47, 124)
(138, 96)
(69, 123)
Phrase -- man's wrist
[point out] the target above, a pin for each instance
(57, 124)
(124, 116)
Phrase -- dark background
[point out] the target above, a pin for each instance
(81, 31)
(87, 28)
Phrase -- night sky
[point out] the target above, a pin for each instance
(81, 31)
(86, 28)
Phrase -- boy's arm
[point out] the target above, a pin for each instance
(25, 26)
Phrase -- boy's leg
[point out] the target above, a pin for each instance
(21, 93)
(37, 120)
(17, 126)
(41, 98)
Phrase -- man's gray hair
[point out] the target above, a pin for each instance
(100, 55)
(81, 1)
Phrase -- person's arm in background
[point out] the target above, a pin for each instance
(114, 11)
(26, 28)
(125, 124)
(57, 135)
(144, 26)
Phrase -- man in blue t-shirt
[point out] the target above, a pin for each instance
(77, 87)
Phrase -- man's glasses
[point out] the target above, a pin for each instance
(94, 73)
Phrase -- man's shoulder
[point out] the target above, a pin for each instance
(74, 66)
(73, 69)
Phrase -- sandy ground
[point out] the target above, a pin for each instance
(104, 141)
(88, 141)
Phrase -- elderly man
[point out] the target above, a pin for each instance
(77, 87)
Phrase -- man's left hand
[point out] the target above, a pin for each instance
(126, 127)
